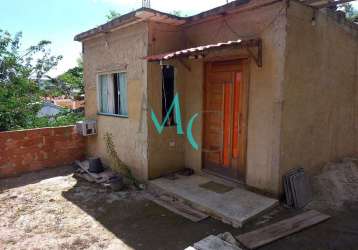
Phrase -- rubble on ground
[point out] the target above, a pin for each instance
(224, 241)
(336, 186)
(92, 170)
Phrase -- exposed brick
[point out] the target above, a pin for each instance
(31, 150)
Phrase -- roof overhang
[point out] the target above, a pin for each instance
(143, 14)
(202, 51)
(133, 17)
(324, 3)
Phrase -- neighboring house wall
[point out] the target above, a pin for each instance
(66, 103)
(49, 110)
(69, 103)
(120, 50)
(29, 150)
(265, 86)
(320, 111)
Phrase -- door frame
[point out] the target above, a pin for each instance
(244, 64)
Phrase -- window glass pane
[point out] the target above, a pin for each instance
(123, 104)
(112, 93)
(116, 93)
(103, 90)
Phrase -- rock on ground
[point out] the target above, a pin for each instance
(224, 241)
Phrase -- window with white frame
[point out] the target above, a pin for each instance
(112, 94)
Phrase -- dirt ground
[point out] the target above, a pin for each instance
(53, 210)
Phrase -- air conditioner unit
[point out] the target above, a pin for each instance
(87, 128)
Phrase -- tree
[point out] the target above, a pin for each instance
(112, 15)
(19, 71)
(178, 13)
(69, 84)
(72, 79)
(351, 13)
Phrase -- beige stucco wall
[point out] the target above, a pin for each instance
(320, 108)
(265, 98)
(303, 102)
(166, 150)
(120, 50)
(265, 83)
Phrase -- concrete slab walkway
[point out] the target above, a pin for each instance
(235, 207)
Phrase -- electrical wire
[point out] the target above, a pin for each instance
(261, 31)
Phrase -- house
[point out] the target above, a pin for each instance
(69, 103)
(246, 91)
(49, 109)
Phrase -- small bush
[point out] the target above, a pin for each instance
(116, 163)
(64, 118)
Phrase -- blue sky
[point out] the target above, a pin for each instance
(60, 20)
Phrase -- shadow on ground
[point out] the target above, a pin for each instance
(141, 224)
(34, 177)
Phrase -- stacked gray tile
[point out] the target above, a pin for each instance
(298, 189)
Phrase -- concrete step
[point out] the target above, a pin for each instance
(178, 207)
(234, 207)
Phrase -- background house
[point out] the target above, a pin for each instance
(49, 109)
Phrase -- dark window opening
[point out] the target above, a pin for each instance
(116, 93)
(168, 93)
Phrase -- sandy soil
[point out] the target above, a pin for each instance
(52, 210)
(39, 216)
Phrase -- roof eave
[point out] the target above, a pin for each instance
(127, 19)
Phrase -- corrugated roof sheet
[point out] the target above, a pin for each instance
(200, 49)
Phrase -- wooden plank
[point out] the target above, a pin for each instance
(213, 125)
(227, 114)
(235, 136)
(178, 208)
(281, 229)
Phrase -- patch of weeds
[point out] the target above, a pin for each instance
(10, 242)
(19, 212)
(116, 163)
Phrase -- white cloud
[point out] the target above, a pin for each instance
(355, 4)
(186, 6)
(70, 51)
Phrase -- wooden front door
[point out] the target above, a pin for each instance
(225, 105)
